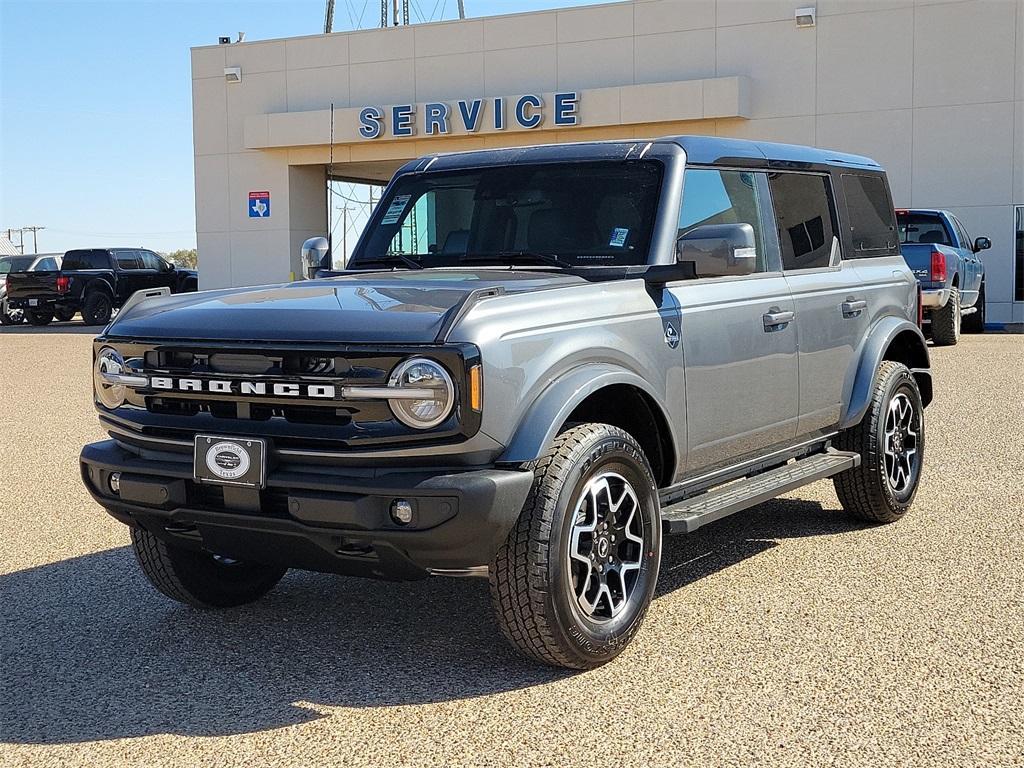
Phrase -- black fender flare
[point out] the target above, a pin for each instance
(542, 421)
(913, 354)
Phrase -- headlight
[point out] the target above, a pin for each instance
(430, 395)
(110, 362)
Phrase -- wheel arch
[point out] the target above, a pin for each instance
(99, 285)
(893, 339)
(601, 393)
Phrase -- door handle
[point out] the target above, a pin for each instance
(776, 320)
(854, 308)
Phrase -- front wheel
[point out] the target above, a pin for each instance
(198, 578)
(572, 583)
(890, 441)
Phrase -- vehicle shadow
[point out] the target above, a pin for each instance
(70, 327)
(91, 652)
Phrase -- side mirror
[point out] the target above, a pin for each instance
(982, 244)
(718, 250)
(312, 256)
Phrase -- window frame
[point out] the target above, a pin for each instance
(837, 230)
(846, 241)
(769, 232)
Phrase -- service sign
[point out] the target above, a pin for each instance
(259, 204)
(439, 118)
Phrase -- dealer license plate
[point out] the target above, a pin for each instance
(230, 461)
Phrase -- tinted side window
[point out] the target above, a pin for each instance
(128, 259)
(86, 260)
(872, 223)
(805, 215)
(722, 197)
(965, 239)
(151, 261)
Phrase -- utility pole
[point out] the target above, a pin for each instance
(462, 9)
(35, 244)
(329, 18)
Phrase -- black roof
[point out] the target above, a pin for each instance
(701, 150)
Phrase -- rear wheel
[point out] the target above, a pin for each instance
(10, 316)
(890, 441)
(198, 578)
(571, 585)
(39, 316)
(975, 323)
(97, 308)
(946, 321)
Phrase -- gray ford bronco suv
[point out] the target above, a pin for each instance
(538, 362)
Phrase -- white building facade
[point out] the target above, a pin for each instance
(934, 91)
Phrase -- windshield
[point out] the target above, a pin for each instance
(922, 228)
(555, 214)
(15, 264)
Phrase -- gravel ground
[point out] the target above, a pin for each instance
(783, 635)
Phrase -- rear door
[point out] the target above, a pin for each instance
(830, 303)
(131, 274)
(159, 274)
(739, 341)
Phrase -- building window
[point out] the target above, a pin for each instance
(1018, 255)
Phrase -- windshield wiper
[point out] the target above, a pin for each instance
(551, 259)
(392, 258)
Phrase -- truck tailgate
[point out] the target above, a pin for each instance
(919, 258)
(32, 285)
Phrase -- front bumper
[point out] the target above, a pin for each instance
(933, 298)
(314, 519)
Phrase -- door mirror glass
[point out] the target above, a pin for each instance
(718, 250)
(982, 244)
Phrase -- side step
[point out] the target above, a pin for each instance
(690, 514)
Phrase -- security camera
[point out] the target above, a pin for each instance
(223, 40)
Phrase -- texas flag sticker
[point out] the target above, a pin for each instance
(259, 205)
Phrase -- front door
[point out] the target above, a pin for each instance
(738, 336)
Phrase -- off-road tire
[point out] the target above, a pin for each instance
(63, 314)
(97, 308)
(9, 316)
(198, 578)
(946, 321)
(35, 317)
(975, 323)
(865, 491)
(532, 590)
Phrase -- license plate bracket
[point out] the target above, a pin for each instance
(235, 461)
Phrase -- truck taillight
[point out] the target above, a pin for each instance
(63, 284)
(938, 267)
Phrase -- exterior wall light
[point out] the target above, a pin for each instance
(233, 74)
(805, 16)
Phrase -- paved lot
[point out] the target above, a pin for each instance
(785, 635)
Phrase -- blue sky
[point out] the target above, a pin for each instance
(96, 107)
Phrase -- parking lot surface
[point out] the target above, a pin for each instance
(786, 635)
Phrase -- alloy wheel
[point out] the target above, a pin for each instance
(606, 546)
(900, 443)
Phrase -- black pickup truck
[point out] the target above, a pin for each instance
(95, 282)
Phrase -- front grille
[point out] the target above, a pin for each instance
(305, 419)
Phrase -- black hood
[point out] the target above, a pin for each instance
(401, 307)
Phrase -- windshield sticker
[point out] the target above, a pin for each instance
(619, 235)
(396, 209)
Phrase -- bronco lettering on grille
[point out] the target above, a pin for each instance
(243, 388)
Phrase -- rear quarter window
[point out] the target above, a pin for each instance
(872, 221)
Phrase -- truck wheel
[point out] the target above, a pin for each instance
(10, 316)
(97, 309)
(976, 323)
(572, 583)
(200, 579)
(946, 321)
(64, 314)
(890, 441)
(38, 317)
